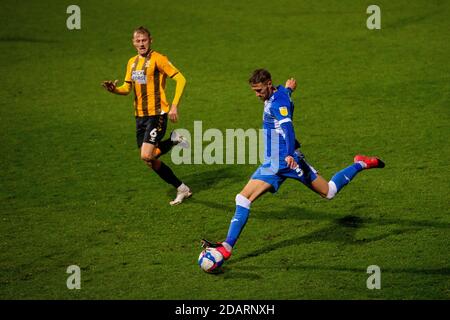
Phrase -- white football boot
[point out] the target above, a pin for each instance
(179, 140)
(183, 192)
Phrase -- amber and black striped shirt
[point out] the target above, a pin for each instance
(148, 76)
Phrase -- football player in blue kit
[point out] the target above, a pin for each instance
(283, 158)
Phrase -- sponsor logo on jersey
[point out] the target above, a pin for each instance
(284, 111)
(139, 76)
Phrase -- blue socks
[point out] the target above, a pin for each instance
(343, 177)
(239, 219)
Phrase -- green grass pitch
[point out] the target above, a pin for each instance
(74, 191)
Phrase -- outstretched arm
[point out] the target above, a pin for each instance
(181, 83)
(112, 87)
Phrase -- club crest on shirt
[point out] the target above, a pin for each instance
(284, 111)
(139, 76)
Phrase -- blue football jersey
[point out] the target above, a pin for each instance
(278, 109)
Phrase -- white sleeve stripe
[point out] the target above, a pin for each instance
(284, 121)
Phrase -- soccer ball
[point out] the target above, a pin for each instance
(210, 259)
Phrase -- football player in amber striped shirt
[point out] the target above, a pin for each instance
(146, 75)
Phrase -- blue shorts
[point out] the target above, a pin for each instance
(305, 173)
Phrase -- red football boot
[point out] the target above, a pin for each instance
(218, 246)
(370, 162)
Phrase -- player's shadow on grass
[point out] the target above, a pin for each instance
(298, 213)
(340, 230)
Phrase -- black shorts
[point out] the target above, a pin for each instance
(150, 129)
